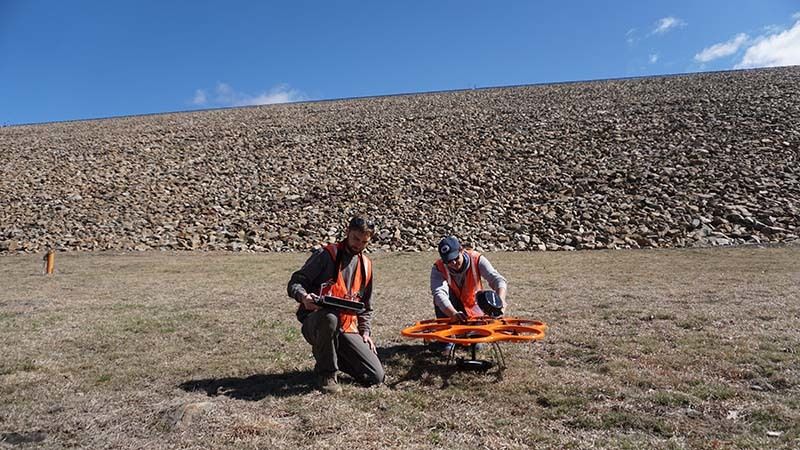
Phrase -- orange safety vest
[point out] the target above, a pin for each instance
(338, 287)
(472, 284)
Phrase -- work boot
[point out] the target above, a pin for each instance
(328, 384)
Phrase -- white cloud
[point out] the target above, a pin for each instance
(226, 95)
(630, 36)
(666, 24)
(796, 16)
(770, 50)
(200, 97)
(278, 94)
(654, 58)
(722, 49)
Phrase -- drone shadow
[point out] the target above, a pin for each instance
(427, 366)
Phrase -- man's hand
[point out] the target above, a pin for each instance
(368, 340)
(455, 315)
(502, 294)
(308, 302)
(459, 317)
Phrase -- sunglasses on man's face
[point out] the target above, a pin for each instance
(359, 222)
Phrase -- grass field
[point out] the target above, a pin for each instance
(646, 349)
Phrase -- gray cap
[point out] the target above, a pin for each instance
(449, 248)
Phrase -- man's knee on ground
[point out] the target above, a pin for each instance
(377, 376)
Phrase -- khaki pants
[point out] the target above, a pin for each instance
(334, 350)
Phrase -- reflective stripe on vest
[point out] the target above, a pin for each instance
(361, 278)
(472, 283)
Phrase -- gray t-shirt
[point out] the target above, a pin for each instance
(441, 291)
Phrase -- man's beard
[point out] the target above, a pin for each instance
(349, 249)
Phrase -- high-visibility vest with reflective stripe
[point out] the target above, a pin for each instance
(472, 283)
(348, 323)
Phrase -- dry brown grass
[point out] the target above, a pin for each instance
(665, 349)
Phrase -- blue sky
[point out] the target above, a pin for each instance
(81, 59)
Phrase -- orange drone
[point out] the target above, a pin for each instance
(474, 331)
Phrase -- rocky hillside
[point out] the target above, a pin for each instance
(681, 161)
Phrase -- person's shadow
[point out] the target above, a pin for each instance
(255, 387)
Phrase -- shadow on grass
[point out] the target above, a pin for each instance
(255, 387)
(420, 364)
(403, 363)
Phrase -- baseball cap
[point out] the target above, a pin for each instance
(449, 248)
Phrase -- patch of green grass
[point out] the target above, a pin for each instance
(500, 422)
(593, 359)
(692, 323)
(23, 366)
(584, 422)
(671, 399)
(770, 418)
(125, 306)
(643, 345)
(104, 378)
(371, 397)
(783, 381)
(418, 400)
(623, 420)
(779, 357)
(291, 335)
(288, 333)
(146, 325)
(560, 403)
(631, 443)
(566, 401)
(757, 442)
(769, 347)
(39, 322)
(763, 368)
(705, 390)
(645, 384)
(634, 421)
(649, 348)
(435, 437)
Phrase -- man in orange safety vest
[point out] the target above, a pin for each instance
(456, 278)
(340, 340)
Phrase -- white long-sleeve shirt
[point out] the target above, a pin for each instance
(441, 291)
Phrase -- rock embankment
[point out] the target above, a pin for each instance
(681, 161)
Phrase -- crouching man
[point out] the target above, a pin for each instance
(456, 278)
(339, 340)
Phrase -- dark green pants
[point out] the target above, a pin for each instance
(334, 350)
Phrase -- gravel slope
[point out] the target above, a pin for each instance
(680, 161)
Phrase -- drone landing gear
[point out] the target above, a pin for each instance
(473, 363)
